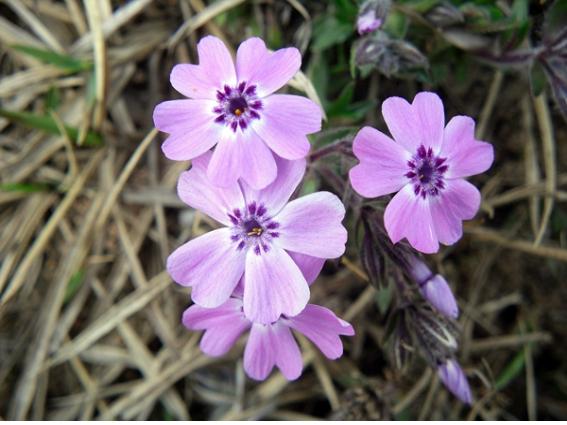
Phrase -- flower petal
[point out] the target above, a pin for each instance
(323, 328)
(199, 318)
(288, 356)
(211, 264)
(216, 62)
(275, 69)
(223, 325)
(218, 341)
(227, 162)
(438, 293)
(259, 166)
(312, 225)
(276, 195)
(250, 56)
(259, 354)
(459, 201)
(309, 266)
(409, 216)
(465, 155)
(284, 122)
(383, 164)
(297, 114)
(195, 189)
(420, 123)
(455, 380)
(191, 127)
(273, 286)
(191, 81)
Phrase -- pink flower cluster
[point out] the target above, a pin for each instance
(252, 273)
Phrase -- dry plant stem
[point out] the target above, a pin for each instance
(76, 16)
(412, 394)
(14, 240)
(322, 374)
(36, 25)
(433, 387)
(524, 246)
(489, 103)
(49, 314)
(201, 19)
(509, 341)
(123, 178)
(47, 232)
(531, 399)
(121, 16)
(129, 305)
(522, 192)
(546, 130)
(95, 18)
(533, 175)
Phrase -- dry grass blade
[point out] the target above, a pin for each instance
(95, 19)
(36, 25)
(524, 246)
(201, 19)
(110, 319)
(546, 129)
(41, 242)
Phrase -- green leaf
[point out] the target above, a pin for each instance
(511, 371)
(61, 61)
(52, 99)
(48, 124)
(73, 286)
(422, 6)
(329, 31)
(346, 11)
(384, 298)
(396, 24)
(24, 187)
(318, 73)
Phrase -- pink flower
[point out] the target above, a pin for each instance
(234, 109)
(261, 235)
(427, 164)
(271, 344)
(455, 380)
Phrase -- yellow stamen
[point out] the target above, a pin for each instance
(256, 231)
(237, 112)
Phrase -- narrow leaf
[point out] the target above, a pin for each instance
(48, 124)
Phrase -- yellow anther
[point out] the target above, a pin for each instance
(237, 112)
(256, 231)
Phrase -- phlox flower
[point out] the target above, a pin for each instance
(427, 164)
(268, 345)
(263, 238)
(233, 108)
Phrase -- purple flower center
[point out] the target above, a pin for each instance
(426, 172)
(237, 106)
(253, 228)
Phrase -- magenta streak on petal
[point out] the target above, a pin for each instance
(237, 106)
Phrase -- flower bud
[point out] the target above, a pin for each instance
(445, 14)
(455, 380)
(434, 288)
(435, 335)
(371, 15)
